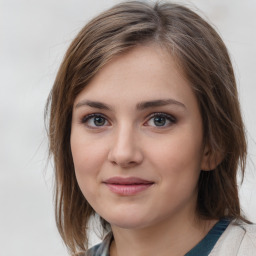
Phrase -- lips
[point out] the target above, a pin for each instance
(127, 186)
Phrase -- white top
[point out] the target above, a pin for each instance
(237, 240)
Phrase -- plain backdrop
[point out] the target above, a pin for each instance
(33, 39)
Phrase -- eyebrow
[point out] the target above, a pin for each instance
(140, 106)
(93, 104)
(158, 103)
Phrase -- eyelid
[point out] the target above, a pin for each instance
(84, 120)
(169, 117)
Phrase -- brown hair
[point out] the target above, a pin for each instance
(204, 59)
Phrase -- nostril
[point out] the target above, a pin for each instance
(124, 164)
(128, 164)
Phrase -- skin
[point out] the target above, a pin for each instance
(127, 141)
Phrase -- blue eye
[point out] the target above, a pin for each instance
(95, 120)
(161, 120)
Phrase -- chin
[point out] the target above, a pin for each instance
(128, 222)
(129, 225)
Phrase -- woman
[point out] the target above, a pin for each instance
(146, 131)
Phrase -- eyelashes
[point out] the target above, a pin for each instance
(95, 120)
(159, 120)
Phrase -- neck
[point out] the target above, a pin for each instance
(174, 237)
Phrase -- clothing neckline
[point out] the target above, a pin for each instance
(205, 246)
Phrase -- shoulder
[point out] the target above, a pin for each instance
(95, 250)
(238, 239)
(101, 249)
(248, 244)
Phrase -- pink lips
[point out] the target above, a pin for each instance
(127, 186)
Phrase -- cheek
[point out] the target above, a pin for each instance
(178, 150)
(86, 163)
(86, 153)
(88, 157)
(178, 159)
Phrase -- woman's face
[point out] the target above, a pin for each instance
(137, 140)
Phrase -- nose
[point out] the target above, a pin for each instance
(125, 150)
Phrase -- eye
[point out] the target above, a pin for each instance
(160, 120)
(95, 120)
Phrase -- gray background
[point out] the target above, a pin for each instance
(34, 37)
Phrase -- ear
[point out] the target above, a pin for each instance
(210, 159)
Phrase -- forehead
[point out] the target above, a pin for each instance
(142, 72)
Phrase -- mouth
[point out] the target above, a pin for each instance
(127, 186)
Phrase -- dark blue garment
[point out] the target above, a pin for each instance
(204, 247)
